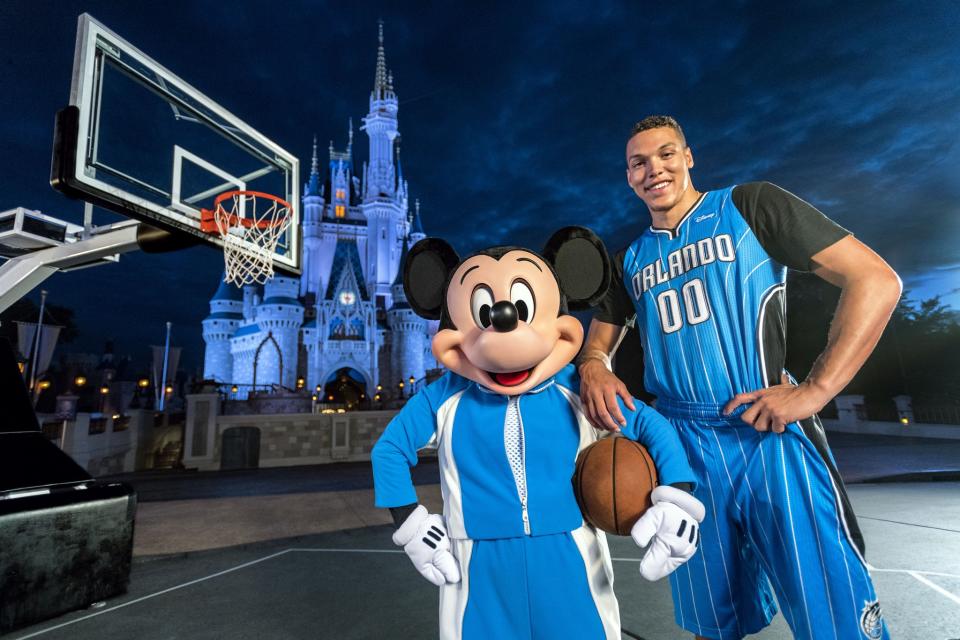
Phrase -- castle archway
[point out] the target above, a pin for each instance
(346, 387)
(268, 363)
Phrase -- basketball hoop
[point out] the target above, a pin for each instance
(250, 224)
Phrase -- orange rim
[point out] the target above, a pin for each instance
(208, 220)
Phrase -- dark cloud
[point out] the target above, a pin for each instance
(513, 117)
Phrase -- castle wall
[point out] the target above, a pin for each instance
(299, 439)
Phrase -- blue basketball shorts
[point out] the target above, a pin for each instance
(777, 522)
(557, 586)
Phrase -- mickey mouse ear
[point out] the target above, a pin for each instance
(582, 265)
(425, 273)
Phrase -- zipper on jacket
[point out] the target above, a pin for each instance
(520, 473)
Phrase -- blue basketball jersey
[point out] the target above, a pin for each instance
(710, 304)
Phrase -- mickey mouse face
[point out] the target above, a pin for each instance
(504, 322)
(509, 334)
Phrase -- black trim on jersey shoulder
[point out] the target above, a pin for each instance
(616, 307)
(789, 229)
(673, 233)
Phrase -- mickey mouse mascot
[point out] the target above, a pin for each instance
(511, 553)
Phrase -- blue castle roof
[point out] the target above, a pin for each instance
(224, 315)
(346, 256)
(247, 330)
(227, 291)
(415, 226)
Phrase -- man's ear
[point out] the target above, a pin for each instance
(425, 274)
(582, 266)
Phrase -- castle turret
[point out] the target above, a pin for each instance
(312, 230)
(384, 205)
(279, 317)
(226, 315)
(409, 332)
(416, 228)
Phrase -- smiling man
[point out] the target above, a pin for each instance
(705, 287)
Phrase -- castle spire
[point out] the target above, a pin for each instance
(350, 136)
(313, 186)
(399, 166)
(416, 227)
(381, 85)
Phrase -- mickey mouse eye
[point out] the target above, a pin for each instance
(480, 303)
(522, 298)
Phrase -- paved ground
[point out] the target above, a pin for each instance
(301, 553)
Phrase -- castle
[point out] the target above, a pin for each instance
(344, 328)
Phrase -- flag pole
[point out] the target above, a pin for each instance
(36, 347)
(163, 378)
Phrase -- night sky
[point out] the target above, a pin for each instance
(514, 118)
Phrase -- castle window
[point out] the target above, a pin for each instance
(340, 194)
(340, 211)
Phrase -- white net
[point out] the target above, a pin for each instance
(250, 225)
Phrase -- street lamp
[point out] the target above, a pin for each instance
(168, 390)
(143, 383)
(300, 383)
(104, 390)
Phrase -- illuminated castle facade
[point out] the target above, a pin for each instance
(344, 326)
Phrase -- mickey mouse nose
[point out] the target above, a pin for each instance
(503, 316)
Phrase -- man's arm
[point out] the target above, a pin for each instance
(870, 291)
(599, 387)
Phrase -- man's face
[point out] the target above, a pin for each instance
(658, 168)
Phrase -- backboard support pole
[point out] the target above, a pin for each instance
(20, 275)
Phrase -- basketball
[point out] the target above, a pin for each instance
(613, 480)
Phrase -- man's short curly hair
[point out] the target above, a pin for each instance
(654, 122)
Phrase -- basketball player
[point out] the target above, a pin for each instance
(705, 286)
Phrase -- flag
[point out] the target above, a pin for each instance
(27, 340)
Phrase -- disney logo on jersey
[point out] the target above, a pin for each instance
(704, 217)
(683, 260)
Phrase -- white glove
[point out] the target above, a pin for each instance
(671, 529)
(425, 540)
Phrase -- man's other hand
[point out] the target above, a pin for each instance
(599, 389)
(775, 407)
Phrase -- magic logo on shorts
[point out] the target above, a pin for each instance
(871, 620)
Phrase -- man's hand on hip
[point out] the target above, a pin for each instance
(599, 389)
(775, 407)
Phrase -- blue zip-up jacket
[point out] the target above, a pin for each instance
(483, 495)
